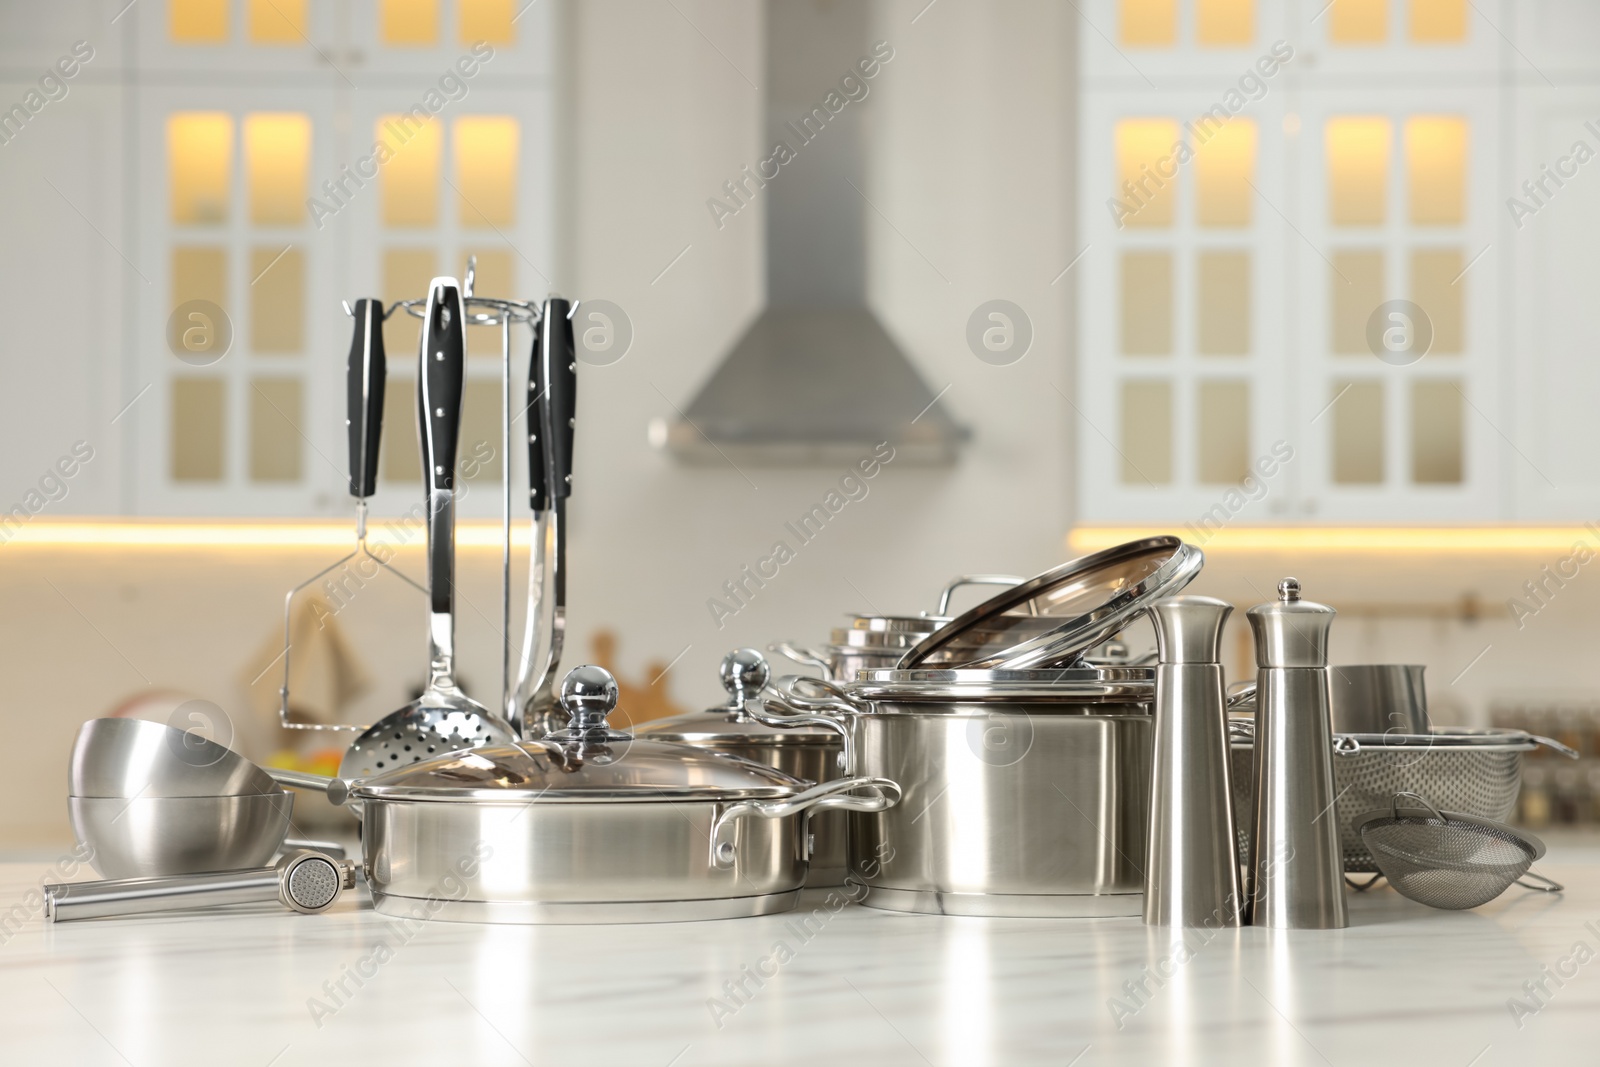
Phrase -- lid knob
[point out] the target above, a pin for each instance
(744, 675)
(588, 694)
(1289, 590)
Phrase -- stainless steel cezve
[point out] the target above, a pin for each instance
(813, 747)
(1192, 868)
(1296, 873)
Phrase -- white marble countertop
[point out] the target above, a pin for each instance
(256, 985)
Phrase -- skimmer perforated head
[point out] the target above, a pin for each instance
(1446, 859)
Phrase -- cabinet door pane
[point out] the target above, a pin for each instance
(1358, 170)
(1146, 432)
(198, 430)
(1357, 287)
(1436, 169)
(1437, 287)
(1224, 443)
(1148, 23)
(1146, 303)
(1358, 428)
(1436, 444)
(1224, 303)
(1142, 146)
(276, 415)
(1225, 163)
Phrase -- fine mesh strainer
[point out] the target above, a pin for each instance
(1446, 859)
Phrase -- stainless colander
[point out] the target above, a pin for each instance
(1447, 859)
(1474, 772)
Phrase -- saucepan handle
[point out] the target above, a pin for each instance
(839, 794)
(337, 789)
(811, 657)
(783, 719)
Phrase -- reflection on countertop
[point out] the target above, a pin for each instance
(259, 985)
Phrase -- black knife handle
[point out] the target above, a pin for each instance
(534, 418)
(441, 376)
(365, 373)
(561, 381)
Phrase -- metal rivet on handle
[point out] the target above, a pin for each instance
(438, 412)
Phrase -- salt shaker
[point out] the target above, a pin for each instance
(1297, 868)
(1192, 860)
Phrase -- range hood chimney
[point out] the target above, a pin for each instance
(816, 378)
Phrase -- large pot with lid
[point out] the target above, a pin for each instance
(1027, 788)
(874, 641)
(812, 747)
(592, 825)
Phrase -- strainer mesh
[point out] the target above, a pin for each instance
(1446, 864)
(1465, 780)
(314, 883)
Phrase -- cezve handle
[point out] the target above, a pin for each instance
(441, 378)
(561, 380)
(307, 881)
(365, 372)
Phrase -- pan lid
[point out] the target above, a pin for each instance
(742, 720)
(1095, 598)
(586, 762)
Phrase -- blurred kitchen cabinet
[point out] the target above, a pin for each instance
(1296, 314)
(1552, 262)
(71, 271)
(202, 213)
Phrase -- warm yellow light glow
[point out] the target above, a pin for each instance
(487, 20)
(199, 162)
(88, 533)
(1146, 170)
(1358, 170)
(409, 22)
(1438, 21)
(278, 21)
(486, 170)
(1225, 21)
(1224, 167)
(197, 21)
(1359, 21)
(408, 178)
(277, 160)
(1149, 23)
(1436, 169)
(1460, 539)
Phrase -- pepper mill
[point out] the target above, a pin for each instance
(1296, 868)
(1191, 866)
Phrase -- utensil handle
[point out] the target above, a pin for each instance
(538, 401)
(69, 901)
(561, 380)
(365, 374)
(761, 714)
(337, 789)
(441, 380)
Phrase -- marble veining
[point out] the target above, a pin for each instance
(257, 985)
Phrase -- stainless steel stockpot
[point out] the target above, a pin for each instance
(801, 746)
(593, 825)
(1027, 792)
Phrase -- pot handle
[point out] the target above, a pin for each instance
(1007, 580)
(764, 715)
(1240, 693)
(834, 795)
(836, 698)
(811, 657)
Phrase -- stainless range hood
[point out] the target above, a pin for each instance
(816, 378)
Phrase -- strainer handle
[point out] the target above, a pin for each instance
(1570, 753)
(1550, 885)
(1422, 801)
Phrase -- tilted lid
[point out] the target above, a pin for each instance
(588, 761)
(742, 720)
(1291, 632)
(1094, 598)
